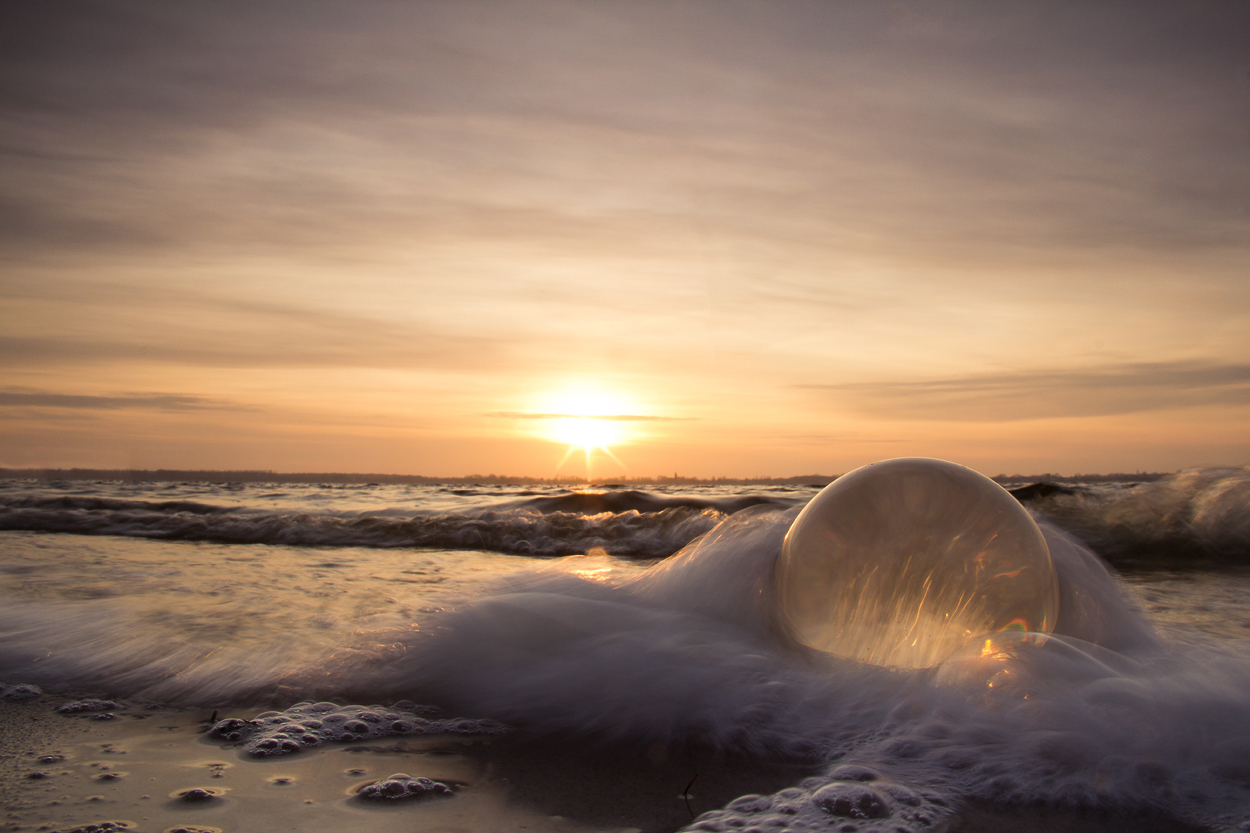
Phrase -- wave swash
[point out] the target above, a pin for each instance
(1077, 704)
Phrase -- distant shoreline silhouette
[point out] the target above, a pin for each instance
(341, 478)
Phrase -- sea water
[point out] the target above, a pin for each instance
(643, 617)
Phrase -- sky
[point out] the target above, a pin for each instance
(717, 239)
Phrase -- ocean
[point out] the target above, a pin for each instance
(639, 625)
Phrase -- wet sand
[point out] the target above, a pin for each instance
(141, 770)
(64, 772)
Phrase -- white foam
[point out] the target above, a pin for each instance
(404, 787)
(1099, 714)
(307, 725)
(850, 799)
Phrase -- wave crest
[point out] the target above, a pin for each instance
(1192, 518)
(521, 531)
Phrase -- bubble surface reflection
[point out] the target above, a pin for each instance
(905, 561)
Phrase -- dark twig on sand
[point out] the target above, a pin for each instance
(686, 794)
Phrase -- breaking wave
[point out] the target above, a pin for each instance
(1196, 517)
(522, 531)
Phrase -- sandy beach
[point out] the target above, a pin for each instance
(65, 772)
(152, 769)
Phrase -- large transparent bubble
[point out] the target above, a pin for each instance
(904, 562)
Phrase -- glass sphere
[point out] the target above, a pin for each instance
(905, 561)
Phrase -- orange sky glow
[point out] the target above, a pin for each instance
(715, 238)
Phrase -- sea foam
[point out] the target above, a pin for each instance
(1099, 714)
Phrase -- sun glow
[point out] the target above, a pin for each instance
(588, 420)
(586, 432)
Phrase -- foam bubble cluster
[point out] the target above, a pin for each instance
(852, 799)
(306, 725)
(902, 563)
(99, 827)
(87, 705)
(403, 787)
(20, 691)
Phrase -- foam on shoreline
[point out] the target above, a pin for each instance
(154, 770)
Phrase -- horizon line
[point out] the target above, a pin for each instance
(269, 475)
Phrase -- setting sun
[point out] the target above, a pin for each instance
(586, 419)
(586, 432)
(584, 401)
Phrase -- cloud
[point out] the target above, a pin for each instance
(608, 417)
(1039, 394)
(714, 198)
(367, 350)
(212, 323)
(977, 130)
(29, 398)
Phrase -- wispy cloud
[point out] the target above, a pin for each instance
(441, 207)
(608, 417)
(1112, 389)
(29, 398)
(73, 321)
(836, 127)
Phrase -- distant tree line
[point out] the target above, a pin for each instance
(259, 476)
(265, 476)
